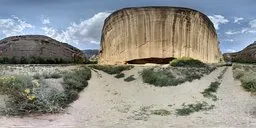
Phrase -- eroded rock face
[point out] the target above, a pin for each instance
(38, 46)
(158, 32)
(248, 54)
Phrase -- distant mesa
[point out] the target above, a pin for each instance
(248, 54)
(158, 35)
(38, 48)
(91, 53)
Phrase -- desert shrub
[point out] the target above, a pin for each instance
(249, 83)
(30, 96)
(246, 74)
(49, 75)
(119, 75)
(71, 95)
(161, 112)
(129, 79)
(74, 82)
(13, 60)
(238, 74)
(173, 76)
(77, 79)
(23, 60)
(187, 62)
(111, 69)
(37, 76)
(209, 92)
(191, 108)
(159, 77)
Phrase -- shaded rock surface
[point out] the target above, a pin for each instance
(248, 54)
(38, 46)
(158, 32)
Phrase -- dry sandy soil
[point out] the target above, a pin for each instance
(112, 103)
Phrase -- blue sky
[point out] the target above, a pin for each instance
(79, 22)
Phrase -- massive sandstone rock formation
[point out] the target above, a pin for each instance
(158, 34)
(248, 54)
(38, 46)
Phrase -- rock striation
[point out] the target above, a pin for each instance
(248, 54)
(158, 34)
(38, 46)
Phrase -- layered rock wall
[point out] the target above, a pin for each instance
(158, 32)
(38, 46)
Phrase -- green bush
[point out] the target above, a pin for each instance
(249, 83)
(23, 60)
(159, 78)
(173, 76)
(53, 75)
(110, 69)
(187, 62)
(129, 79)
(119, 75)
(191, 108)
(209, 92)
(77, 79)
(161, 112)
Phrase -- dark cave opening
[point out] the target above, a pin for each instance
(151, 60)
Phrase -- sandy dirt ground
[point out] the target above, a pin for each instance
(112, 103)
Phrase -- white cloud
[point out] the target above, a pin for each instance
(230, 32)
(238, 19)
(218, 20)
(230, 50)
(252, 23)
(228, 40)
(45, 21)
(13, 26)
(87, 31)
(242, 31)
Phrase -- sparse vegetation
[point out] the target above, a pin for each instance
(191, 108)
(246, 74)
(187, 62)
(27, 94)
(119, 75)
(173, 76)
(110, 69)
(129, 79)
(77, 79)
(161, 112)
(208, 93)
(48, 75)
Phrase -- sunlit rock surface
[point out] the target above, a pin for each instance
(143, 33)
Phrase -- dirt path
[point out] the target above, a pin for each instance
(112, 103)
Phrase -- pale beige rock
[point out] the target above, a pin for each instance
(158, 32)
(38, 46)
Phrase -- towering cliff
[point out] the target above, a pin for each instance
(38, 46)
(248, 54)
(158, 34)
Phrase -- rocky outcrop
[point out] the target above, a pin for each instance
(38, 46)
(248, 54)
(158, 33)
